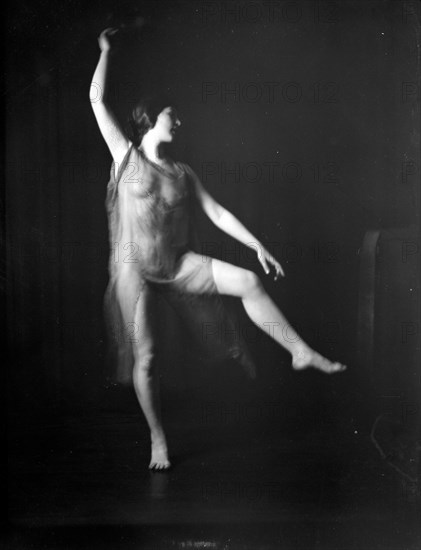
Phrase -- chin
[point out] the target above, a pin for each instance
(166, 138)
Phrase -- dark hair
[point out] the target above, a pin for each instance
(144, 114)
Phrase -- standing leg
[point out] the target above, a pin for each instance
(137, 304)
(262, 310)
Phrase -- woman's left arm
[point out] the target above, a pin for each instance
(228, 223)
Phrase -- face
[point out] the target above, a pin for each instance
(166, 124)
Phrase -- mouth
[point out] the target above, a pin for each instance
(175, 128)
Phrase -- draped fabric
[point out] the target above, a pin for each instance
(153, 249)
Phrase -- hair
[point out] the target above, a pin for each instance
(144, 115)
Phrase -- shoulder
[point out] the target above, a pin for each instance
(129, 157)
(130, 160)
(188, 170)
(191, 176)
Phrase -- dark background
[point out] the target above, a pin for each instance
(348, 135)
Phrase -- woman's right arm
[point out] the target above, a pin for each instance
(117, 141)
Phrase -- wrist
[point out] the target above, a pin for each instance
(105, 53)
(261, 250)
(256, 246)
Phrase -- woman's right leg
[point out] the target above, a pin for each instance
(138, 305)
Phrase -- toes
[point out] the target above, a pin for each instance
(329, 367)
(160, 466)
(319, 362)
(338, 367)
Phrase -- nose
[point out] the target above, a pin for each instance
(178, 122)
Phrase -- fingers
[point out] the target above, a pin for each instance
(278, 273)
(278, 268)
(107, 33)
(265, 267)
(106, 39)
(264, 259)
(110, 30)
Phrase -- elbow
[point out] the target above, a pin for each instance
(218, 214)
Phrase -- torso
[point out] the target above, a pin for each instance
(154, 210)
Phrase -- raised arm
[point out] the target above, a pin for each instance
(228, 223)
(117, 141)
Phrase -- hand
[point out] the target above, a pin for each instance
(265, 258)
(104, 39)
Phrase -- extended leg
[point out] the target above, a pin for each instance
(262, 310)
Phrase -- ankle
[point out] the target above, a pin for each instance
(302, 351)
(158, 438)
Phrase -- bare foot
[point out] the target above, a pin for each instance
(159, 459)
(310, 358)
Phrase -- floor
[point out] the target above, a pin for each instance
(257, 467)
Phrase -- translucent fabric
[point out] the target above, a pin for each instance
(153, 250)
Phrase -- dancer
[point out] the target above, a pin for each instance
(150, 199)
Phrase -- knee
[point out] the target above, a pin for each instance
(144, 361)
(251, 282)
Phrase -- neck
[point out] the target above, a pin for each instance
(152, 149)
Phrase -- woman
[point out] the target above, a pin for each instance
(149, 203)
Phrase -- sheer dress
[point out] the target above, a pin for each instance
(154, 250)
